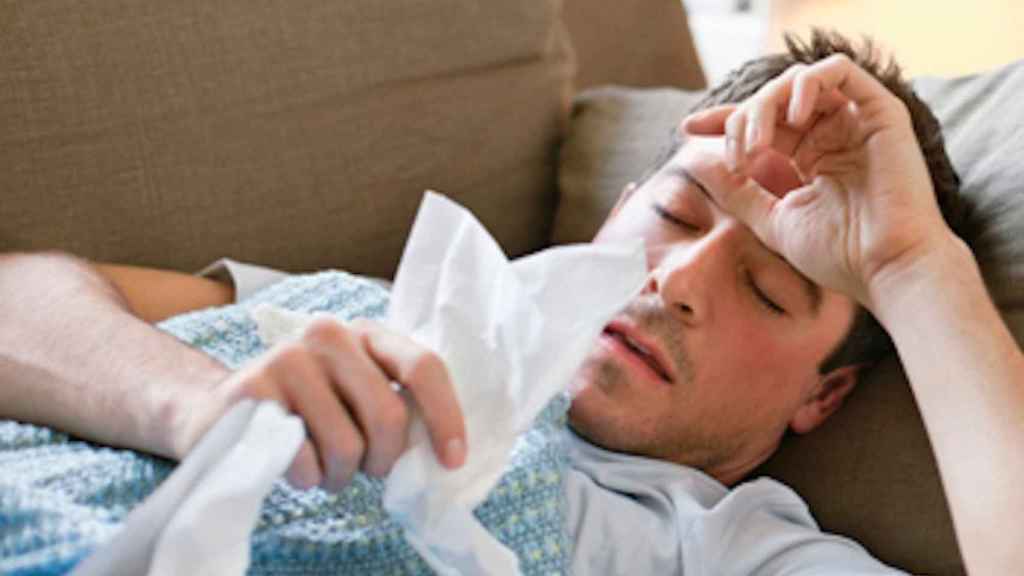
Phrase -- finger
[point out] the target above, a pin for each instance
(835, 73)
(339, 443)
(710, 122)
(424, 374)
(380, 413)
(760, 126)
(735, 135)
(304, 472)
(827, 135)
(764, 106)
(743, 197)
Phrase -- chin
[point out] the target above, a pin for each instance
(591, 417)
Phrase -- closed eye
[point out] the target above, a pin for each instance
(670, 217)
(766, 301)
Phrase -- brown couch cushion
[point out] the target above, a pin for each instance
(868, 472)
(633, 43)
(298, 135)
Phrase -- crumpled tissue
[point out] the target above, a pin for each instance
(199, 520)
(511, 335)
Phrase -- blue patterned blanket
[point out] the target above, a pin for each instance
(61, 498)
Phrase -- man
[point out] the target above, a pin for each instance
(792, 209)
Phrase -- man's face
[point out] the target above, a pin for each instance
(719, 353)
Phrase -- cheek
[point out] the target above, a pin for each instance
(749, 356)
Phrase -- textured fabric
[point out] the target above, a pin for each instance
(632, 515)
(869, 471)
(298, 134)
(60, 498)
(633, 43)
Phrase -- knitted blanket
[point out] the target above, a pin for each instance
(61, 498)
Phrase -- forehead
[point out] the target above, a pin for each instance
(772, 170)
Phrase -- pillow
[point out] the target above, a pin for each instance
(868, 472)
(615, 135)
(296, 135)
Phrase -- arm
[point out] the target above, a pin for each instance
(154, 295)
(967, 374)
(74, 356)
(866, 223)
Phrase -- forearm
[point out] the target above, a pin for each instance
(967, 374)
(73, 357)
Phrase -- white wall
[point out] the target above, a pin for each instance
(942, 37)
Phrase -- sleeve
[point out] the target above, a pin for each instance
(246, 278)
(765, 529)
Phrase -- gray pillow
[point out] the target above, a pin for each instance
(869, 472)
(615, 134)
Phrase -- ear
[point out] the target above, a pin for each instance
(826, 397)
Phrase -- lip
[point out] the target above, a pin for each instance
(655, 353)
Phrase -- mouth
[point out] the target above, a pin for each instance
(640, 348)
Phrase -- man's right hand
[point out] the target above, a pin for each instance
(867, 209)
(339, 379)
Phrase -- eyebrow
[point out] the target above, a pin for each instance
(682, 172)
(811, 290)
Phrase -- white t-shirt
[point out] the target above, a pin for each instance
(631, 515)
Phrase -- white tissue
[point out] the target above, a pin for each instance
(511, 334)
(199, 520)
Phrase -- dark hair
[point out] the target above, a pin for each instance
(866, 342)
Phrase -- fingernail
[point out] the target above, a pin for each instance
(455, 453)
(791, 112)
(730, 153)
(753, 132)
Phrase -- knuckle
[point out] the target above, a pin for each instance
(288, 355)
(902, 110)
(391, 417)
(326, 331)
(425, 366)
(839, 59)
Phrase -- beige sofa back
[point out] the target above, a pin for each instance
(297, 135)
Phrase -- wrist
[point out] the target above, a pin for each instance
(185, 412)
(930, 268)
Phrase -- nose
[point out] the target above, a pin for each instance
(690, 277)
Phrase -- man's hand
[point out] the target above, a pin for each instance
(338, 379)
(867, 206)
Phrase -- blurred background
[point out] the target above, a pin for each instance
(928, 37)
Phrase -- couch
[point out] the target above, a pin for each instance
(301, 135)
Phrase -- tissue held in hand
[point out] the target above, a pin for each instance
(511, 334)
